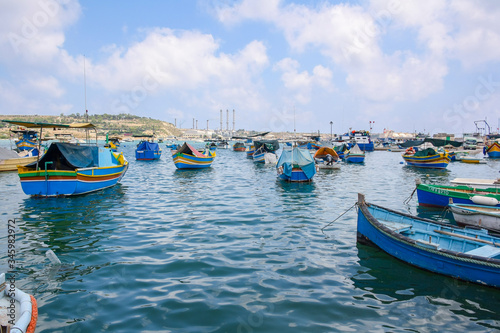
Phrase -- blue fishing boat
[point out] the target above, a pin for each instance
(147, 151)
(265, 148)
(355, 155)
(466, 254)
(27, 139)
(296, 165)
(427, 158)
(188, 157)
(68, 169)
(493, 150)
(430, 195)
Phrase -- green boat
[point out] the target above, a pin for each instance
(440, 195)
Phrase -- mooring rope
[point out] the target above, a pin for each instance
(407, 200)
(329, 224)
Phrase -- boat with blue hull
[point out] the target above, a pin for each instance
(147, 151)
(355, 155)
(430, 195)
(27, 139)
(296, 165)
(427, 158)
(68, 169)
(188, 157)
(263, 148)
(466, 254)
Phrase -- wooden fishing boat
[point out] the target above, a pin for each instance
(70, 169)
(466, 254)
(67, 169)
(27, 139)
(250, 150)
(18, 310)
(296, 165)
(147, 151)
(323, 161)
(486, 217)
(239, 146)
(265, 151)
(188, 157)
(355, 155)
(440, 195)
(427, 158)
(493, 150)
(9, 160)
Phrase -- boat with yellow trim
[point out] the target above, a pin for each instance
(68, 169)
(427, 158)
(493, 150)
(188, 157)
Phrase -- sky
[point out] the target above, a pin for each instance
(406, 65)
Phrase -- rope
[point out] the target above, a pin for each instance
(329, 224)
(407, 200)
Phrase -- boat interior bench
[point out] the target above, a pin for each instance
(487, 251)
(396, 226)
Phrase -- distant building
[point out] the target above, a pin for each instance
(444, 136)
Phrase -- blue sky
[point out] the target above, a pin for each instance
(406, 65)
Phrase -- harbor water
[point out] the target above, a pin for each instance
(233, 249)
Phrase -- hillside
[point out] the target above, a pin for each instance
(110, 124)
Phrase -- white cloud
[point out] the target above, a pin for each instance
(352, 37)
(166, 59)
(302, 83)
(33, 30)
(48, 86)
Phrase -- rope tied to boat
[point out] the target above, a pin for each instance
(329, 224)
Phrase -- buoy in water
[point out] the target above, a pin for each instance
(482, 200)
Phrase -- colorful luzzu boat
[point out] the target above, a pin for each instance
(239, 146)
(67, 169)
(427, 158)
(27, 139)
(493, 150)
(263, 148)
(188, 157)
(296, 165)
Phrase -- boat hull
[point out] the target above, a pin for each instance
(439, 161)
(147, 155)
(12, 163)
(187, 161)
(439, 196)
(450, 263)
(297, 176)
(493, 150)
(52, 183)
(354, 158)
(476, 215)
(259, 157)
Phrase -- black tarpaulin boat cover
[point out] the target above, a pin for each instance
(269, 145)
(435, 142)
(68, 156)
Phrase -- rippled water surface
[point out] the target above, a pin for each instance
(233, 249)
